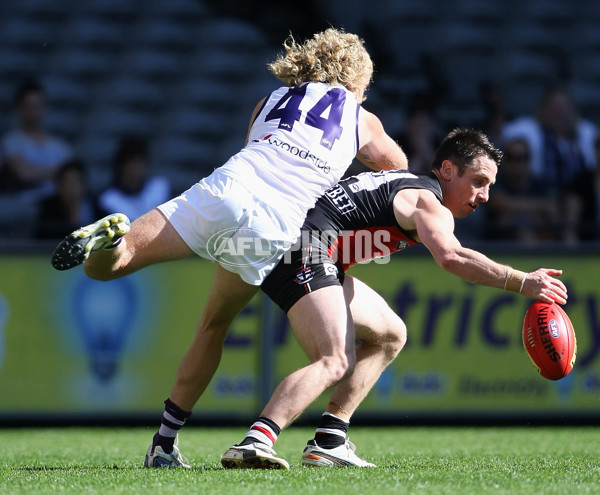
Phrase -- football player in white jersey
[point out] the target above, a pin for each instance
(301, 139)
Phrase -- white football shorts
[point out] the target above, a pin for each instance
(221, 220)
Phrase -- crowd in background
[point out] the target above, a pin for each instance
(40, 168)
(548, 186)
(547, 190)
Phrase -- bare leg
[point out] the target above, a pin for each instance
(322, 325)
(383, 335)
(151, 239)
(227, 297)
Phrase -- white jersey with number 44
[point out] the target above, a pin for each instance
(301, 142)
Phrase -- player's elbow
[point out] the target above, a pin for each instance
(400, 161)
(448, 261)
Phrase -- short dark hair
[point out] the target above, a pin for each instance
(130, 147)
(26, 87)
(72, 164)
(462, 145)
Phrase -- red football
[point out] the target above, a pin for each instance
(549, 339)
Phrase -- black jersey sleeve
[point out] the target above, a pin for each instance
(366, 200)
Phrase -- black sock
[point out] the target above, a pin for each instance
(172, 420)
(331, 431)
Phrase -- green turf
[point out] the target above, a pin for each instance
(548, 460)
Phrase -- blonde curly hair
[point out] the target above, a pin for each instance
(332, 56)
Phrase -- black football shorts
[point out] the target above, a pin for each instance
(300, 272)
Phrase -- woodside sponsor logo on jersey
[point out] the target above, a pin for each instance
(294, 150)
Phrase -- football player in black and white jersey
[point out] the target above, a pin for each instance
(301, 139)
(362, 217)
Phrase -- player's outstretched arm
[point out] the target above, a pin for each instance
(435, 229)
(378, 151)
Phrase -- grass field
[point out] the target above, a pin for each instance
(541, 460)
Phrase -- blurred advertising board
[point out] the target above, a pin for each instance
(464, 354)
(73, 346)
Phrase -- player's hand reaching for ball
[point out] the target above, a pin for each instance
(542, 285)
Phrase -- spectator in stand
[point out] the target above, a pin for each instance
(596, 226)
(133, 191)
(420, 137)
(31, 155)
(520, 210)
(69, 207)
(562, 156)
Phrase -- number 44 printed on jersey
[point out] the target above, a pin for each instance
(287, 110)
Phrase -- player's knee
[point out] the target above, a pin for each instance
(350, 364)
(338, 367)
(395, 338)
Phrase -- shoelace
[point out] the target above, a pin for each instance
(177, 455)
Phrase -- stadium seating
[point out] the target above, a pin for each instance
(163, 67)
(166, 35)
(20, 33)
(85, 65)
(114, 10)
(97, 34)
(136, 93)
